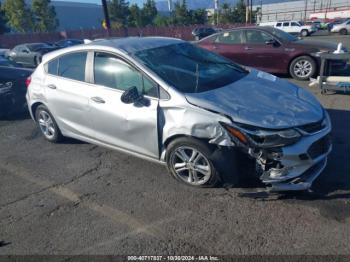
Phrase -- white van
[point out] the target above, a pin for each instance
(292, 27)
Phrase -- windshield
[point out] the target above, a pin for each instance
(191, 69)
(284, 36)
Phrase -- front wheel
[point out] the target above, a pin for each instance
(302, 68)
(189, 161)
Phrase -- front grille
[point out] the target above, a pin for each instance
(319, 147)
(313, 127)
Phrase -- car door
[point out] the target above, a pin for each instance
(131, 127)
(68, 94)
(295, 27)
(263, 51)
(286, 27)
(25, 56)
(230, 45)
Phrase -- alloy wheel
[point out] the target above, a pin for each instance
(191, 166)
(46, 124)
(303, 68)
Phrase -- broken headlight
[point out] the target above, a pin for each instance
(278, 138)
(263, 138)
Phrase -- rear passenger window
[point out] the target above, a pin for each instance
(52, 67)
(72, 66)
(233, 37)
(286, 24)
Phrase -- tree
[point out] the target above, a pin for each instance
(19, 16)
(3, 22)
(136, 18)
(161, 20)
(44, 16)
(198, 16)
(181, 15)
(149, 12)
(119, 13)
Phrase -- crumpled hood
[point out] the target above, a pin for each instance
(262, 100)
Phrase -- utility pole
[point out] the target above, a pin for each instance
(247, 12)
(305, 10)
(107, 21)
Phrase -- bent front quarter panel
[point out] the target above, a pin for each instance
(179, 118)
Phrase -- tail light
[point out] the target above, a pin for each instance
(28, 80)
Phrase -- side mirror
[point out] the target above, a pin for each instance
(131, 95)
(271, 42)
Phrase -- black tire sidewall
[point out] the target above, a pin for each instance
(343, 31)
(58, 136)
(203, 148)
(297, 59)
(304, 33)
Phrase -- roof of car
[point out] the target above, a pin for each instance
(134, 44)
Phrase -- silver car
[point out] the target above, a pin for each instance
(343, 28)
(165, 100)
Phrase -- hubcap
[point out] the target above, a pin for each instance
(191, 166)
(303, 68)
(46, 124)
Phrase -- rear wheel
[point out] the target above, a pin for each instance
(302, 68)
(343, 31)
(47, 124)
(304, 33)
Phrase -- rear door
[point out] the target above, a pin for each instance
(68, 94)
(260, 53)
(132, 127)
(230, 45)
(286, 27)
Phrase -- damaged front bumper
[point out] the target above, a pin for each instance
(295, 167)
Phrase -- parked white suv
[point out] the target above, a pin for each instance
(292, 27)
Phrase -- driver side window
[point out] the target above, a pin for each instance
(257, 37)
(112, 72)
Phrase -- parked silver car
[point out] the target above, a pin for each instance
(166, 100)
(343, 28)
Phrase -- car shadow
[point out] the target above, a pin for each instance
(333, 183)
(15, 116)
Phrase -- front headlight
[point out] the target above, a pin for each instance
(256, 137)
(278, 138)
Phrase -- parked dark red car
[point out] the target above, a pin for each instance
(268, 49)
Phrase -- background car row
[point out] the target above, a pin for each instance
(30, 55)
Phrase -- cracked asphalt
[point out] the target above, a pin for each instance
(77, 198)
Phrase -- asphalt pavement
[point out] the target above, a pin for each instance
(78, 198)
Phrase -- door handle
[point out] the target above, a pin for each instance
(98, 100)
(52, 86)
(248, 48)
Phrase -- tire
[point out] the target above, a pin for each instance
(48, 125)
(343, 31)
(302, 68)
(304, 33)
(215, 167)
(37, 60)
